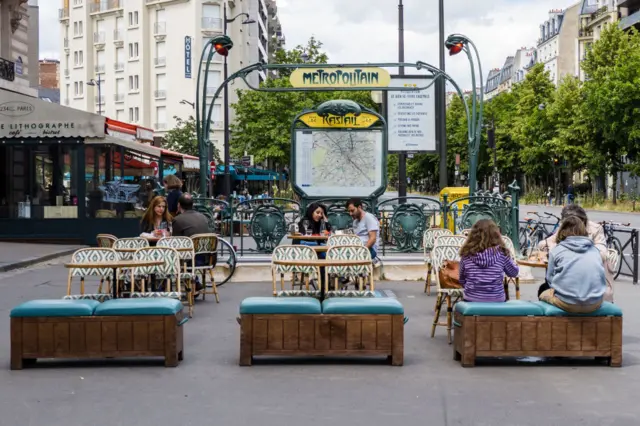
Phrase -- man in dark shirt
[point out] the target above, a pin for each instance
(189, 222)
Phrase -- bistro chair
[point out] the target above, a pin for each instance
(507, 280)
(206, 246)
(126, 247)
(186, 253)
(360, 273)
(106, 240)
(91, 255)
(439, 255)
(344, 240)
(428, 240)
(166, 275)
(449, 240)
(294, 252)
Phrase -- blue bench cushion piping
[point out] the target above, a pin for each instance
(512, 308)
(280, 305)
(55, 308)
(607, 309)
(362, 306)
(146, 306)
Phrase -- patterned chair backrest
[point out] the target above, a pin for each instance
(613, 258)
(106, 240)
(344, 240)
(183, 245)
(129, 244)
(93, 255)
(449, 240)
(509, 244)
(297, 252)
(169, 268)
(352, 252)
(205, 243)
(441, 253)
(430, 236)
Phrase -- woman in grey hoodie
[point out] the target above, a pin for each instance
(575, 272)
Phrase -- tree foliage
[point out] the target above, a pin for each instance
(263, 119)
(183, 138)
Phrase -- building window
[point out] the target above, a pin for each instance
(78, 89)
(133, 19)
(161, 118)
(133, 50)
(211, 17)
(78, 58)
(120, 114)
(134, 114)
(161, 90)
(161, 54)
(78, 30)
(133, 83)
(119, 96)
(77, 2)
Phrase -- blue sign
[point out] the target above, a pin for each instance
(187, 57)
(18, 66)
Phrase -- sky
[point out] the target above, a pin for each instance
(360, 31)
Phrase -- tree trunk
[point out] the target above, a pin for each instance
(614, 187)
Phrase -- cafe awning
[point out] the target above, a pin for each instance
(24, 117)
(133, 146)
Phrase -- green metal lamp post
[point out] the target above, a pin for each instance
(220, 45)
(457, 43)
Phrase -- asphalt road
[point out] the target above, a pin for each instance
(210, 388)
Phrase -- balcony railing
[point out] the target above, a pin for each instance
(99, 37)
(212, 90)
(598, 13)
(99, 69)
(211, 24)
(118, 66)
(118, 35)
(63, 13)
(99, 100)
(585, 33)
(160, 28)
(118, 97)
(106, 6)
(7, 70)
(160, 61)
(160, 94)
(160, 126)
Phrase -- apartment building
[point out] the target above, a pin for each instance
(49, 73)
(493, 82)
(18, 70)
(137, 60)
(593, 16)
(556, 45)
(521, 62)
(629, 13)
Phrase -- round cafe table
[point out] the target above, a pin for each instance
(301, 237)
(115, 265)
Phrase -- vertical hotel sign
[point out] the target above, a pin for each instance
(187, 57)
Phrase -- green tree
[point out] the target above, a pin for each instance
(499, 114)
(263, 119)
(611, 93)
(183, 138)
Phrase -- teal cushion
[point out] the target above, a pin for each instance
(512, 308)
(362, 306)
(280, 305)
(607, 309)
(55, 308)
(150, 306)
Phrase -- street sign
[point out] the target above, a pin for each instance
(351, 121)
(411, 116)
(187, 57)
(212, 167)
(327, 76)
(247, 160)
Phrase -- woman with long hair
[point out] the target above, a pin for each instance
(315, 216)
(156, 219)
(173, 190)
(484, 260)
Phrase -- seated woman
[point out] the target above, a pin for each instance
(484, 260)
(156, 219)
(316, 215)
(575, 273)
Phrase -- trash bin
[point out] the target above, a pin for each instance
(454, 193)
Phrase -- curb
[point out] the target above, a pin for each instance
(34, 260)
(588, 210)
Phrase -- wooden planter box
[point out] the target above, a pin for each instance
(319, 334)
(539, 336)
(97, 337)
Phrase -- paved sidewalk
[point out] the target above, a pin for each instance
(21, 255)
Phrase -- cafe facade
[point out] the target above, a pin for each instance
(68, 175)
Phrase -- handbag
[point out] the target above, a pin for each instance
(449, 275)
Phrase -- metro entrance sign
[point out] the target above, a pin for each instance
(345, 77)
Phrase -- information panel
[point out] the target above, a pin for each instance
(411, 116)
(337, 163)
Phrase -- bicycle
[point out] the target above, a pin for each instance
(226, 252)
(613, 243)
(535, 231)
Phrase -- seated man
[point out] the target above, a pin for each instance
(596, 234)
(189, 222)
(365, 226)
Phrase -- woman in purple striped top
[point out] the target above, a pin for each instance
(484, 260)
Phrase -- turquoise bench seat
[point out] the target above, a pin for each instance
(512, 308)
(280, 305)
(55, 308)
(606, 310)
(362, 306)
(147, 306)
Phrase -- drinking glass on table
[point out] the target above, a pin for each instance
(163, 229)
(307, 227)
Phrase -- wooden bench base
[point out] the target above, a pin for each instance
(97, 337)
(487, 336)
(308, 334)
